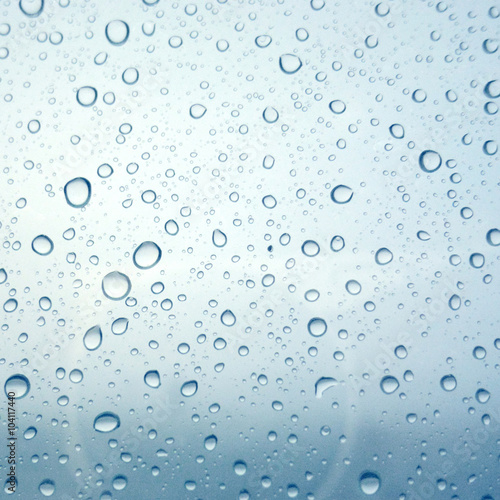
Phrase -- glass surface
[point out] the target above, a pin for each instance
(249, 249)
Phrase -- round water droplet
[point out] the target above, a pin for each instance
(10, 305)
(147, 255)
(423, 236)
(31, 8)
(290, 64)
(341, 194)
(130, 76)
(106, 422)
(18, 384)
(197, 111)
(389, 384)
(105, 171)
(116, 285)
(397, 131)
(228, 318)
(240, 468)
(383, 256)
(219, 239)
(42, 245)
(152, 379)
(371, 41)
(369, 483)
(492, 89)
(86, 96)
(269, 201)
(210, 443)
(310, 248)
(353, 287)
(476, 260)
(270, 115)
(482, 396)
(337, 107)
(448, 383)
(75, 376)
(117, 32)
(317, 327)
(263, 41)
(175, 42)
(479, 352)
(493, 237)
(337, 243)
(47, 488)
(189, 389)
(171, 227)
(77, 192)
(93, 338)
(429, 161)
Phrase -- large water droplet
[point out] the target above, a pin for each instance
(310, 248)
(210, 443)
(42, 245)
(18, 384)
(383, 256)
(77, 192)
(455, 302)
(337, 106)
(353, 287)
(290, 64)
(369, 483)
(429, 161)
(189, 389)
(31, 8)
(119, 326)
(117, 32)
(493, 237)
(323, 384)
(317, 327)
(197, 111)
(171, 227)
(228, 318)
(106, 422)
(389, 384)
(93, 338)
(116, 285)
(341, 194)
(47, 488)
(86, 96)
(337, 243)
(448, 383)
(263, 41)
(482, 396)
(152, 379)
(219, 239)
(147, 255)
(270, 115)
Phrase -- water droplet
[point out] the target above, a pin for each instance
(448, 383)
(323, 384)
(47, 488)
(269, 201)
(171, 227)
(423, 236)
(337, 107)
(383, 256)
(10, 305)
(175, 42)
(493, 237)
(117, 32)
(337, 243)
(397, 131)
(210, 443)
(197, 111)
(152, 379)
(116, 285)
(106, 422)
(189, 389)
(147, 255)
(18, 384)
(389, 384)
(476, 260)
(105, 171)
(317, 327)
(479, 352)
(42, 245)
(75, 376)
(228, 318)
(240, 468)
(369, 483)
(341, 194)
(270, 115)
(93, 338)
(219, 239)
(429, 161)
(482, 396)
(455, 302)
(31, 8)
(492, 89)
(119, 326)
(130, 76)
(77, 192)
(290, 64)
(263, 41)
(30, 433)
(86, 96)
(353, 287)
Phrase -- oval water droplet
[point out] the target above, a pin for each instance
(18, 384)
(77, 192)
(269, 201)
(189, 389)
(31, 8)
(455, 302)
(117, 32)
(337, 243)
(171, 227)
(429, 161)
(383, 256)
(116, 285)
(147, 255)
(341, 194)
(42, 245)
(210, 443)
(353, 287)
(369, 483)
(310, 248)
(47, 488)
(389, 384)
(270, 115)
(448, 383)
(106, 422)
(197, 111)
(493, 237)
(290, 63)
(152, 379)
(93, 338)
(482, 396)
(397, 131)
(263, 41)
(119, 326)
(337, 106)
(219, 239)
